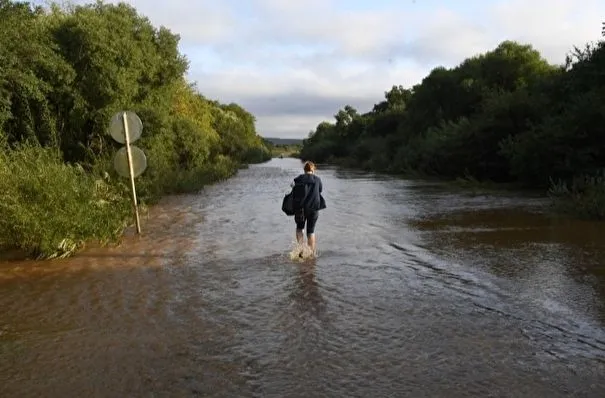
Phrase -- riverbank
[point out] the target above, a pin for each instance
(285, 151)
(583, 198)
(53, 210)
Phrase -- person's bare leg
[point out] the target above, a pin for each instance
(301, 241)
(299, 236)
(311, 242)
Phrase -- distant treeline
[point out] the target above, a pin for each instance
(64, 71)
(503, 116)
(283, 141)
(284, 147)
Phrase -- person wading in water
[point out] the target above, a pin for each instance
(308, 201)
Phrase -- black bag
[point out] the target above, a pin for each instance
(294, 201)
(287, 205)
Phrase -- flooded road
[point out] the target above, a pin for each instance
(418, 291)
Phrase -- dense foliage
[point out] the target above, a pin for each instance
(504, 116)
(64, 71)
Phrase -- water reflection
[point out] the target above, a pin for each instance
(306, 292)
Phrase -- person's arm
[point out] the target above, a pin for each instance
(320, 185)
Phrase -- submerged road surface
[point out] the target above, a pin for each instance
(418, 291)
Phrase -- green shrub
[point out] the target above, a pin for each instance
(49, 208)
(583, 197)
(192, 180)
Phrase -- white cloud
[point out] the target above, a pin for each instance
(202, 22)
(553, 27)
(286, 125)
(344, 81)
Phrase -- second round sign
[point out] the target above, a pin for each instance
(139, 161)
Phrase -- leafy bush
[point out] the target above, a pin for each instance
(49, 208)
(583, 197)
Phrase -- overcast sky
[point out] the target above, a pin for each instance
(294, 63)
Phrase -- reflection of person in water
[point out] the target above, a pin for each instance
(306, 291)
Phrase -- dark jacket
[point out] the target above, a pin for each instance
(313, 201)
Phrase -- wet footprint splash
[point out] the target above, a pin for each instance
(302, 252)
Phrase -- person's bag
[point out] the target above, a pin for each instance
(287, 205)
(322, 202)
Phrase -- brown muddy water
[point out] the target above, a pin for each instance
(419, 290)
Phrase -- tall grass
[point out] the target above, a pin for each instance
(194, 179)
(582, 197)
(49, 209)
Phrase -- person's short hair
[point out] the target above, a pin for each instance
(309, 166)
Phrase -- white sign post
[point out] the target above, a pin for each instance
(130, 161)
